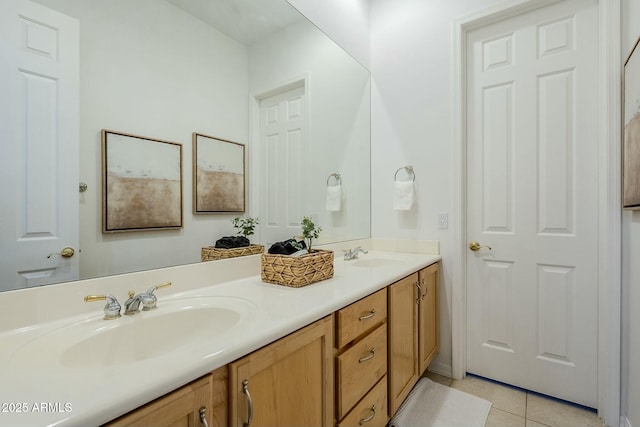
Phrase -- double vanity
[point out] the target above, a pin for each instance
(222, 347)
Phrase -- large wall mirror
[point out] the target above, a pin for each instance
(164, 69)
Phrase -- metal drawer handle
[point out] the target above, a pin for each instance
(203, 416)
(370, 417)
(368, 316)
(419, 292)
(245, 390)
(369, 357)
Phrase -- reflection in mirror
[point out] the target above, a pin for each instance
(166, 69)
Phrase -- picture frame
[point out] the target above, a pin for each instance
(141, 183)
(218, 175)
(631, 131)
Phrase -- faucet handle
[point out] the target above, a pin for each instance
(149, 299)
(111, 309)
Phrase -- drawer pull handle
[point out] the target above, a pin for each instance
(370, 417)
(368, 316)
(245, 390)
(418, 285)
(203, 416)
(369, 357)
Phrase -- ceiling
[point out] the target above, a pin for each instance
(243, 20)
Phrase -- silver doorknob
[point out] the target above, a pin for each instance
(66, 252)
(475, 246)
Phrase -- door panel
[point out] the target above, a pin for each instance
(40, 80)
(532, 177)
(283, 139)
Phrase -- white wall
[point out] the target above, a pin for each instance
(630, 266)
(162, 74)
(411, 65)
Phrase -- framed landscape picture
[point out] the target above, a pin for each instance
(631, 138)
(218, 175)
(141, 183)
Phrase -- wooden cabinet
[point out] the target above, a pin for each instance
(185, 406)
(413, 331)
(361, 362)
(428, 316)
(403, 340)
(287, 383)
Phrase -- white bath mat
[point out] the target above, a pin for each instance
(434, 405)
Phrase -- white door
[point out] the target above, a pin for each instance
(39, 78)
(282, 148)
(532, 161)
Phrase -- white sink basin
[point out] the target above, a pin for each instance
(175, 325)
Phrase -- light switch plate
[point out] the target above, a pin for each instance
(443, 220)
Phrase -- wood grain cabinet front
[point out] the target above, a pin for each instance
(371, 411)
(428, 316)
(200, 403)
(287, 383)
(413, 331)
(361, 358)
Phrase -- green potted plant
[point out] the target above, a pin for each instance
(309, 232)
(234, 246)
(245, 226)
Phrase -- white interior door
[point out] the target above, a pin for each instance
(39, 79)
(532, 178)
(283, 148)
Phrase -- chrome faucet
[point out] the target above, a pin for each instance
(132, 305)
(353, 253)
(148, 300)
(111, 309)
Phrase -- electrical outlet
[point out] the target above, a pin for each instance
(443, 220)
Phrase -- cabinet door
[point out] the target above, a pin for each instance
(403, 339)
(428, 316)
(290, 382)
(180, 408)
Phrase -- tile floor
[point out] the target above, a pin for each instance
(513, 407)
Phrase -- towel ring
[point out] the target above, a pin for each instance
(338, 178)
(409, 170)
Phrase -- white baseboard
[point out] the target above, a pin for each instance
(441, 369)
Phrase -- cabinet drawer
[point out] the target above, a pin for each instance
(360, 368)
(361, 316)
(371, 411)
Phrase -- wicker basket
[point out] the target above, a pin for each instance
(211, 253)
(297, 271)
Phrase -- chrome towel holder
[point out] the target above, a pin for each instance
(337, 179)
(409, 170)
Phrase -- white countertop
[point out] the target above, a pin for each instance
(86, 396)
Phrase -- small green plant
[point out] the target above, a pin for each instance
(309, 231)
(245, 226)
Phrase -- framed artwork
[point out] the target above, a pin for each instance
(141, 183)
(218, 175)
(631, 138)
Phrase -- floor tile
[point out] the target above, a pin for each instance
(555, 413)
(438, 378)
(505, 398)
(498, 418)
(531, 423)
